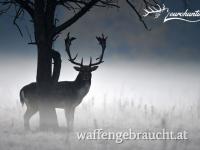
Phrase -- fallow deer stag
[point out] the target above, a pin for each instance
(67, 94)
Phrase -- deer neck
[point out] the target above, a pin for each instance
(82, 85)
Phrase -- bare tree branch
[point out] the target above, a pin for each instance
(84, 9)
(79, 7)
(26, 5)
(19, 12)
(69, 22)
(138, 14)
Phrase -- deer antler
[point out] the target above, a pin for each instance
(102, 42)
(68, 42)
(154, 10)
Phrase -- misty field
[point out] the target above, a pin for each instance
(123, 114)
(145, 97)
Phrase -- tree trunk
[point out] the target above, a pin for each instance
(56, 66)
(43, 26)
(46, 82)
(48, 118)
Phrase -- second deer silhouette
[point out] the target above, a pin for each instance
(67, 94)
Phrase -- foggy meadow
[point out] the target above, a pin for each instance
(140, 95)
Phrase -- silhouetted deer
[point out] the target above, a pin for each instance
(67, 94)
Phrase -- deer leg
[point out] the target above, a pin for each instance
(28, 114)
(69, 114)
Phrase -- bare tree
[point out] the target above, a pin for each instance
(46, 31)
(42, 15)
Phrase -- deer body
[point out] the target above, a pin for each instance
(64, 93)
(67, 94)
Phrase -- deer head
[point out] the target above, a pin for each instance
(85, 70)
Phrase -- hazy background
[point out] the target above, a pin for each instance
(150, 79)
